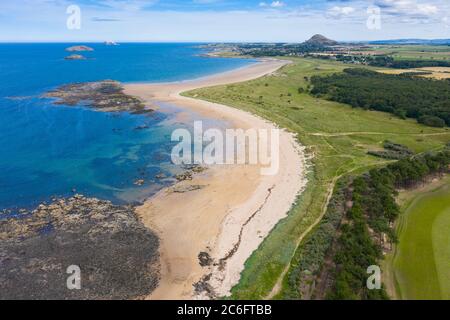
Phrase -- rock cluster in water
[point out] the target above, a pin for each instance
(117, 256)
(106, 96)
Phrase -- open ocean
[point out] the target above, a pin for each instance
(53, 151)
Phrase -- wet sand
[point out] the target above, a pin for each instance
(235, 208)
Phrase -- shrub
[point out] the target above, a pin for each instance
(432, 121)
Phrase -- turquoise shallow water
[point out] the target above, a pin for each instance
(49, 150)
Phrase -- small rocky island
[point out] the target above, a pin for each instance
(116, 254)
(75, 57)
(106, 96)
(79, 49)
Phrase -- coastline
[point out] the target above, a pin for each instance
(236, 207)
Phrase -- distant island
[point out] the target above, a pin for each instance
(75, 57)
(79, 49)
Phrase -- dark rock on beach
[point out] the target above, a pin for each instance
(190, 171)
(185, 176)
(106, 96)
(117, 256)
(205, 259)
(187, 188)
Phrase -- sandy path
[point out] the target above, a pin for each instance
(237, 207)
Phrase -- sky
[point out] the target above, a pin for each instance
(221, 20)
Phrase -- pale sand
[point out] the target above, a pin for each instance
(234, 200)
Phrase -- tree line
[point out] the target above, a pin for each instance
(405, 96)
(390, 62)
(352, 234)
(373, 212)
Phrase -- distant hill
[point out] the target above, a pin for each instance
(320, 40)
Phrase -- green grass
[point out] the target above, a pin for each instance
(335, 134)
(421, 262)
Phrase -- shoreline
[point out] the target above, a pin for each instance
(235, 207)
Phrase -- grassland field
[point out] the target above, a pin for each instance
(337, 138)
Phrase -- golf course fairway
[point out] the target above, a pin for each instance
(421, 262)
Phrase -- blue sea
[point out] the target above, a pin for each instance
(54, 151)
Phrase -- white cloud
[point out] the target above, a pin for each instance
(411, 8)
(274, 4)
(277, 4)
(427, 9)
(337, 11)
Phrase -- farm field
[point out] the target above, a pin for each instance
(337, 137)
(418, 267)
(414, 52)
(438, 73)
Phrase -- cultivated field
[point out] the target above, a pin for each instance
(414, 52)
(338, 138)
(438, 73)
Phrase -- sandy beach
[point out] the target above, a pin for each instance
(236, 207)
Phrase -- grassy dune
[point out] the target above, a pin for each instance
(337, 136)
(419, 267)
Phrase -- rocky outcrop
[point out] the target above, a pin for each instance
(75, 57)
(117, 256)
(106, 96)
(79, 49)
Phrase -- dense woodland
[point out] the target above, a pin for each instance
(390, 62)
(426, 100)
(352, 235)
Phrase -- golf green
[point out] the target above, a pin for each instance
(422, 260)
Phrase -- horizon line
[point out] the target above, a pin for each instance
(205, 41)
